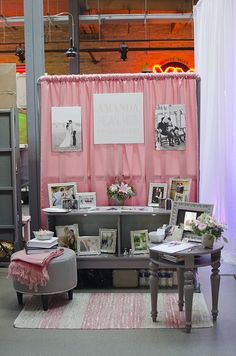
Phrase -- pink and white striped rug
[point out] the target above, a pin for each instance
(95, 311)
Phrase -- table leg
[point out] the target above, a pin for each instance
(180, 277)
(188, 293)
(154, 281)
(215, 285)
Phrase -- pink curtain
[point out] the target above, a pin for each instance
(96, 165)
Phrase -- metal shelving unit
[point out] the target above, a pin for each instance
(10, 202)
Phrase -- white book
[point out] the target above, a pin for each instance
(173, 246)
(42, 243)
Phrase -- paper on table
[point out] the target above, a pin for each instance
(173, 246)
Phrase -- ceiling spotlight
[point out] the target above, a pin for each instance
(123, 51)
(71, 52)
(20, 53)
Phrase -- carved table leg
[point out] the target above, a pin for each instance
(153, 280)
(215, 285)
(188, 292)
(180, 276)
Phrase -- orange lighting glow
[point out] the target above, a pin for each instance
(158, 69)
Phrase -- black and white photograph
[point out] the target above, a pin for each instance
(108, 240)
(170, 127)
(157, 193)
(66, 129)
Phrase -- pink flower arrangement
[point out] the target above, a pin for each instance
(120, 190)
(205, 224)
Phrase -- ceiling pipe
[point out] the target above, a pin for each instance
(111, 18)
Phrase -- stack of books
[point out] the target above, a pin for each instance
(172, 258)
(38, 246)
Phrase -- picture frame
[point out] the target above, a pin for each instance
(183, 212)
(86, 200)
(88, 245)
(180, 197)
(139, 241)
(180, 186)
(59, 191)
(68, 236)
(157, 193)
(66, 128)
(108, 239)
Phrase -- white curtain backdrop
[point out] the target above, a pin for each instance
(215, 61)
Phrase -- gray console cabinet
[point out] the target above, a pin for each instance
(89, 224)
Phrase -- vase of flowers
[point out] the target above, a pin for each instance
(119, 191)
(210, 230)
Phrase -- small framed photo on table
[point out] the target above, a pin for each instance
(180, 189)
(59, 191)
(139, 241)
(88, 245)
(157, 193)
(86, 200)
(108, 240)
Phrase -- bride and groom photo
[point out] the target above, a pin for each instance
(66, 134)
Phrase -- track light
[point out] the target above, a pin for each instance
(20, 53)
(123, 51)
(71, 52)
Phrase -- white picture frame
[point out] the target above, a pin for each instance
(139, 241)
(59, 191)
(68, 236)
(108, 239)
(180, 186)
(157, 192)
(86, 200)
(88, 245)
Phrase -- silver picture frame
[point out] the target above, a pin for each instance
(178, 216)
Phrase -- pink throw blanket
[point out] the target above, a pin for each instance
(31, 270)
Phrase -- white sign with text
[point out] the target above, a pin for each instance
(118, 118)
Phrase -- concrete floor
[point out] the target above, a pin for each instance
(217, 341)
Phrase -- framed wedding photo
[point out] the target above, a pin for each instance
(66, 133)
(139, 241)
(86, 200)
(88, 245)
(108, 240)
(59, 191)
(181, 186)
(157, 192)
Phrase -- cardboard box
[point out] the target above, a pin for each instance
(7, 85)
(125, 278)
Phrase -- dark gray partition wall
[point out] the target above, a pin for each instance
(10, 207)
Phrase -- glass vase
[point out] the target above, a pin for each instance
(116, 202)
